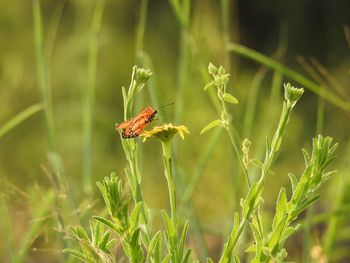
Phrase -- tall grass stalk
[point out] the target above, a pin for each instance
(182, 11)
(42, 75)
(142, 58)
(89, 96)
(200, 166)
(225, 24)
(140, 32)
(66, 214)
(307, 83)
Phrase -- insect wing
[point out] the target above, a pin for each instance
(124, 124)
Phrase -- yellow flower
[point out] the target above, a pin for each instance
(165, 132)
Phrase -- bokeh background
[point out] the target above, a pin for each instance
(310, 37)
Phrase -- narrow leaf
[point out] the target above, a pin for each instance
(135, 215)
(281, 207)
(153, 245)
(112, 225)
(211, 125)
(183, 239)
(75, 253)
(293, 181)
(277, 233)
(230, 99)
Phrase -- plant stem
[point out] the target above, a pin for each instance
(184, 58)
(43, 76)
(236, 149)
(140, 34)
(225, 23)
(229, 130)
(90, 96)
(169, 177)
(271, 154)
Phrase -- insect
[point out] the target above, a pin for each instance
(135, 126)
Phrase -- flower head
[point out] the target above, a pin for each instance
(165, 132)
(292, 94)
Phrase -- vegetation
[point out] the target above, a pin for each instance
(232, 172)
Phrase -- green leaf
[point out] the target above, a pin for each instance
(229, 98)
(281, 207)
(287, 233)
(167, 259)
(250, 249)
(277, 233)
(135, 215)
(186, 257)
(182, 242)
(207, 86)
(251, 201)
(293, 181)
(212, 69)
(79, 233)
(135, 238)
(258, 241)
(209, 260)
(170, 230)
(75, 253)
(153, 245)
(103, 244)
(306, 157)
(112, 225)
(125, 98)
(236, 259)
(307, 203)
(214, 123)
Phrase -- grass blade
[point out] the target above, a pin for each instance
(312, 86)
(89, 96)
(19, 118)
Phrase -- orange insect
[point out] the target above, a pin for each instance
(135, 126)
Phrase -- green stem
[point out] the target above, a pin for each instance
(238, 154)
(182, 11)
(225, 23)
(90, 96)
(229, 130)
(141, 32)
(169, 177)
(42, 75)
(269, 158)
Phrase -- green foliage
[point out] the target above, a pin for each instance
(125, 227)
(93, 248)
(270, 247)
(132, 227)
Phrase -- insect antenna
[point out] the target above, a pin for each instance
(166, 105)
(162, 113)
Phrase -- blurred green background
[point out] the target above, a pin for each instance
(310, 37)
